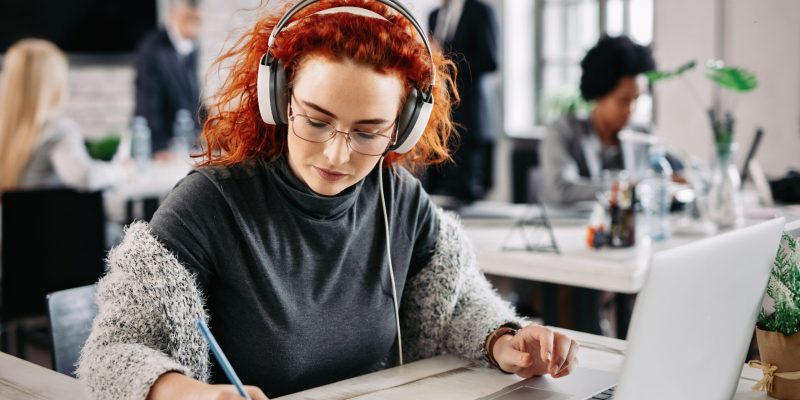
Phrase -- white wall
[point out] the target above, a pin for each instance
(101, 98)
(763, 36)
(760, 36)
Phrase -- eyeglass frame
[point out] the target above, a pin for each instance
(334, 131)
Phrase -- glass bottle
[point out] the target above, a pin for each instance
(141, 147)
(655, 196)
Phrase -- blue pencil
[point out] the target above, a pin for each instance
(223, 361)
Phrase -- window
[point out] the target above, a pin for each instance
(544, 42)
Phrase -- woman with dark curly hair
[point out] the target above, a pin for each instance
(303, 238)
(576, 150)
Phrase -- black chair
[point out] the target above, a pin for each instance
(52, 240)
(524, 158)
(141, 209)
(71, 313)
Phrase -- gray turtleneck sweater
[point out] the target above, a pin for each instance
(296, 285)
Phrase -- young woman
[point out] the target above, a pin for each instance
(312, 251)
(576, 150)
(39, 147)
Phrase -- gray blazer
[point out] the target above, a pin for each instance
(572, 160)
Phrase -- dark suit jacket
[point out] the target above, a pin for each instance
(474, 50)
(165, 83)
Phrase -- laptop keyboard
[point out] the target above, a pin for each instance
(606, 394)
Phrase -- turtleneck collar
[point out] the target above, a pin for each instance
(306, 200)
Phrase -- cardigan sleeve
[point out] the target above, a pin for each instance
(449, 306)
(148, 307)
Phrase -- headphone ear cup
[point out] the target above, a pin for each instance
(262, 88)
(412, 121)
(405, 120)
(279, 92)
(273, 92)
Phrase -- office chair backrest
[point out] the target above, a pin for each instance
(71, 313)
(52, 240)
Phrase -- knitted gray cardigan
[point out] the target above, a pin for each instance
(148, 305)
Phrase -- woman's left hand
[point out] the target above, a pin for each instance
(536, 350)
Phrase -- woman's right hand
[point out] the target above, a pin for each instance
(174, 385)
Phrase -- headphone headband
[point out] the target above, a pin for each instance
(393, 4)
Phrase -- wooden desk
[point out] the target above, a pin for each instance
(21, 380)
(449, 377)
(615, 270)
(443, 377)
(620, 270)
(610, 269)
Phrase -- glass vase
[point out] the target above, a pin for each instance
(724, 197)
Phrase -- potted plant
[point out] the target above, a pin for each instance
(724, 200)
(778, 326)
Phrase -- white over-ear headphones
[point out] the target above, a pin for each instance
(273, 88)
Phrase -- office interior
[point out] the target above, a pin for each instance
(540, 44)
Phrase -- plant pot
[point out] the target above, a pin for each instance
(784, 352)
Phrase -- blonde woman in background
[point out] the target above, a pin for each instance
(39, 147)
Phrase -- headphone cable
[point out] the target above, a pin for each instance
(391, 269)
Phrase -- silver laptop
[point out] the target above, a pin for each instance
(690, 328)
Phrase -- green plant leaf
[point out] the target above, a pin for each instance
(103, 148)
(660, 75)
(566, 100)
(784, 289)
(731, 78)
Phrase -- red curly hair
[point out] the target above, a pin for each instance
(234, 131)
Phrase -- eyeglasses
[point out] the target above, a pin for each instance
(317, 131)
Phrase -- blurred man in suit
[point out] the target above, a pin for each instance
(166, 74)
(467, 30)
